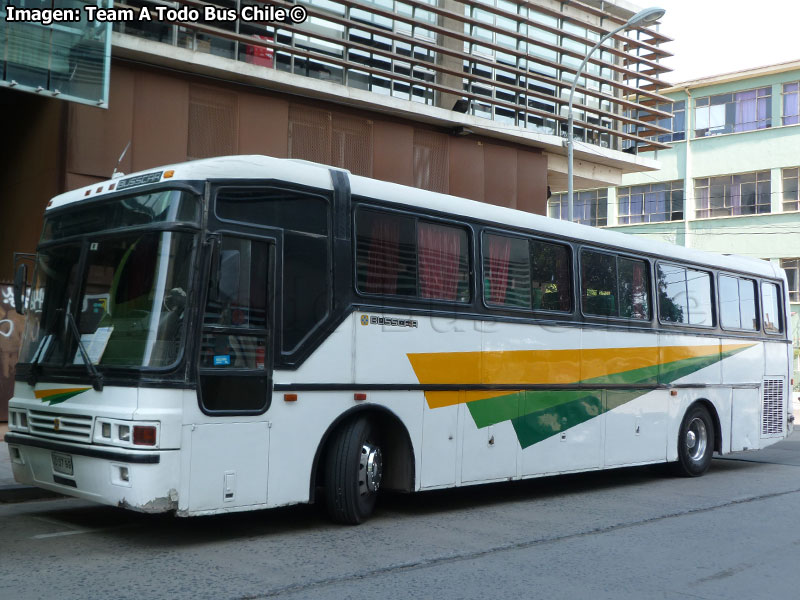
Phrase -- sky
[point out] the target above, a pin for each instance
(712, 37)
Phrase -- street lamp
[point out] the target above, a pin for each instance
(643, 17)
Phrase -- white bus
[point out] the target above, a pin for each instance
(246, 332)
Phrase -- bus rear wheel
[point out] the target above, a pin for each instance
(695, 442)
(353, 472)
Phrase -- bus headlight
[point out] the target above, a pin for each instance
(113, 432)
(17, 420)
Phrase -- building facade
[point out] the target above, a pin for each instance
(462, 97)
(729, 181)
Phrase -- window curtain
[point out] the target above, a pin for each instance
(791, 106)
(746, 109)
(497, 272)
(439, 252)
(383, 257)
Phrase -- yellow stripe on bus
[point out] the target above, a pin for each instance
(540, 367)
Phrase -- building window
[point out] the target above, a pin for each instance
(790, 190)
(732, 195)
(588, 207)
(792, 268)
(651, 203)
(791, 103)
(733, 113)
(677, 124)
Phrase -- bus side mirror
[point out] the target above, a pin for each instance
(20, 282)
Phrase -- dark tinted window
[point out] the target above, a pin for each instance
(737, 303)
(156, 207)
(386, 253)
(404, 256)
(550, 276)
(506, 271)
(684, 295)
(304, 219)
(443, 262)
(235, 338)
(770, 302)
(599, 283)
(633, 289)
(274, 207)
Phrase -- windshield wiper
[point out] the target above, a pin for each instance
(96, 376)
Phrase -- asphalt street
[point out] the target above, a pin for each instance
(627, 533)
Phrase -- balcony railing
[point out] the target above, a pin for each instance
(509, 61)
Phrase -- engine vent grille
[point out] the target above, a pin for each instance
(75, 428)
(772, 411)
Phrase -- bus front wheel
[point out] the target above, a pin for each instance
(353, 472)
(695, 442)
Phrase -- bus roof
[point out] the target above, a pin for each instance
(318, 176)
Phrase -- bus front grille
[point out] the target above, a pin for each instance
(772, 412)
(75, 428)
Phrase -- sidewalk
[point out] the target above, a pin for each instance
(10, 490)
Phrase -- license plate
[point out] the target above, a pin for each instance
(62, 463)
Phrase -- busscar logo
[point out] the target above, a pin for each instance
(388, 321)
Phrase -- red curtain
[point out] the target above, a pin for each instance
(439, 253)
(499, 252)
(383, 257)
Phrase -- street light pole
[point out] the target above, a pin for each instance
(643, 17)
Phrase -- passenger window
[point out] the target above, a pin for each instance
(386, 254)
(506, 271)
(550, 276)
(770, 293)
(402, 256)
(443, 262)
(599, 284)
(684, 296)
(737, 303)
(633, 289)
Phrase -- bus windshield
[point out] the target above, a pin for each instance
(125, 291)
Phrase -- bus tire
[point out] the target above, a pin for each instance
(695, 442)
(353, 472)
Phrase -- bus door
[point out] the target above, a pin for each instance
(229, 445)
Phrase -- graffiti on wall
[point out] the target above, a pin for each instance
(11, 325)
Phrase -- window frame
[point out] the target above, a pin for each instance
(728, 196)
(707, 103)
(528, 239)
(218, 225)
(712, 289)
(796, 268)
(361, 205)
(271, 344)
(617, 255)
(781, 302)
(668, 192)
(756, 299)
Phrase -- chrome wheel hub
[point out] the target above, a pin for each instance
(370, 471)
(696, 439)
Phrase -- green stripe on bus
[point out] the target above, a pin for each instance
(539, 414)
